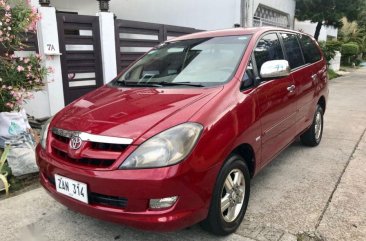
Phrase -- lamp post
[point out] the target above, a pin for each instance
(44, 3)
(104, 5)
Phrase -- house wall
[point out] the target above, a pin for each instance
(309, 28)
(203, 14)
(286, 6)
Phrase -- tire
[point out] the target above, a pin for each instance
(226, 222)
(313, 135)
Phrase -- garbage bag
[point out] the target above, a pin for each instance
(21, 157)
(13, 123)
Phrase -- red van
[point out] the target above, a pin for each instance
(176, 138)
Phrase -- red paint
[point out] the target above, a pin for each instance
(230, 118)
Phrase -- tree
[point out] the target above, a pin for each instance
(19, 76)
(328, 12)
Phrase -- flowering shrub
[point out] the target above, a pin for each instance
(19, 76)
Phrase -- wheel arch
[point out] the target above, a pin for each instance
(322, 102)
(246, 151)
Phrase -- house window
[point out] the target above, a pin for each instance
(265, 16)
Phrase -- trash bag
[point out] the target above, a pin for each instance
(21, 157)
(13, 123)
(15, 132)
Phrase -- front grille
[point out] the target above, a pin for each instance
(90, 162)
(107, 146)
(96, 198)
(100, 199)
(62, 139)
(93, 154)
(94, 145)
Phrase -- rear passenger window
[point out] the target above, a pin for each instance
(268, 48)
(292, 50)
(310, 50)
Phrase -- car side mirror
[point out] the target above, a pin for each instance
(275, 69)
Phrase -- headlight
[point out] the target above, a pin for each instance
(44, 133)
(165, 149)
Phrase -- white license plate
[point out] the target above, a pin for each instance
(71, 188)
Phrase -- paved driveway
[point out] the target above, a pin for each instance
(317, 191)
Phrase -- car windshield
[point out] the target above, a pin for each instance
(193, 63)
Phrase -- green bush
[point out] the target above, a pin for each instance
(350, 49)
(329, 48)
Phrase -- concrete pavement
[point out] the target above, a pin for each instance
(305, 194)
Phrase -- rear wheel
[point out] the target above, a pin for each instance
(230, 197)
(313, 135)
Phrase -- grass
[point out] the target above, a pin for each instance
(332, 74)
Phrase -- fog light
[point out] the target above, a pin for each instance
(163, 202)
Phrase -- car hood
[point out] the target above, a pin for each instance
(130, 112)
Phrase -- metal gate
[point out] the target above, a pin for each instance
(133, 39)
(81, 61)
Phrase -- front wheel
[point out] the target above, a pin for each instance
(313, 135)
(230, 197)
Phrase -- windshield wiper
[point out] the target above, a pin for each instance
(143, 84)
(165, 83)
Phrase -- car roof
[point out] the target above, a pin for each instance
(230, 32)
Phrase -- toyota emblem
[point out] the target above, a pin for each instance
(75, 142)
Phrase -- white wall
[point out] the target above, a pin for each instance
(202, 14)
(335, 63)
(309, 28)
(83, 7)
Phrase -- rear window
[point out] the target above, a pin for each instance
(293, 50)
(310, 50)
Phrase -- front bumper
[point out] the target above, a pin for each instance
(137, 187)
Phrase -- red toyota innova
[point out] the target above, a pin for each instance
(176, 138)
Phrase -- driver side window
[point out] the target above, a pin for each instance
(268, 48)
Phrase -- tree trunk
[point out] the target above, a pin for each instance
(317, 30)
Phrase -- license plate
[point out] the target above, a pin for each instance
(71, 188)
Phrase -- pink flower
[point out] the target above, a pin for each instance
(26, 60)
(51, 70)
(7, 8)
(20, 68)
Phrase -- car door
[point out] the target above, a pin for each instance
(308, 79)
(276, 100)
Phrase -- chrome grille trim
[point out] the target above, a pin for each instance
(91, 137)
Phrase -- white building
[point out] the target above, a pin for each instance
(326, 33)
(90, 47)
(202, 14)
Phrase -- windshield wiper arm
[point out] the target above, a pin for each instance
(179, 83)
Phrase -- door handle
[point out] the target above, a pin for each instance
(315, 78)
(291, 88)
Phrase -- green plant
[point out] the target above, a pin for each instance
(349, 53)
(329, 49)
(332, 74)
(3, 173)
(350, 49)
(18, 76)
